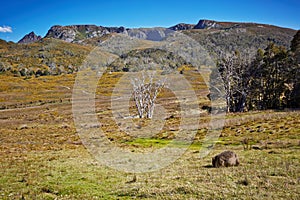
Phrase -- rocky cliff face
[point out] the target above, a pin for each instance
(79, 32)
(207, 24)
(66, 33)
(202, 24)
(30, 38)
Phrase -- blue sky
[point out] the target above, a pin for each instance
(18, 18)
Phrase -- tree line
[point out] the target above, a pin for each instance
(270, 80)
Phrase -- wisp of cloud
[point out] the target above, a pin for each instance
(5, 29)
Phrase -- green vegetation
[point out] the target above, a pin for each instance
(138, 60)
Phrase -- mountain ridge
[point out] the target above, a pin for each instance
(75, 33)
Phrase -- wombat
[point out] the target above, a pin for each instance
(225, 159)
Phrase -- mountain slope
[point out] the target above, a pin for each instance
(245, 38)
(45, 57)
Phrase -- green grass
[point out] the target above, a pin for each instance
(73, 174)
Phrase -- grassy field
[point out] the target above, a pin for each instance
(42, 156)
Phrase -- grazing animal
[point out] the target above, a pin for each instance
(225, 159)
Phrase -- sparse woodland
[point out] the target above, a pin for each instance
(270, 80)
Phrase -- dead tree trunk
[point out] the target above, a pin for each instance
(145, 91)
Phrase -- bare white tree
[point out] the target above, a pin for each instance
(145, 91)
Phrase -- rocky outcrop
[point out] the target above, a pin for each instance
(80, 32)
(207, 24)
(77, 33)
(181, 27)
(66, 33)
(29, 38)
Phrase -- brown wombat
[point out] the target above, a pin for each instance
(226, 158)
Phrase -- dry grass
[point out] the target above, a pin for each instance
(16, 92)
(42, 157)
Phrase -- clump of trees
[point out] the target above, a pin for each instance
(271, 80)
(137, 60)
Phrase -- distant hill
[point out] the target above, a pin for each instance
(64, 48)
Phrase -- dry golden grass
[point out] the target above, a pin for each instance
(18, 92)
